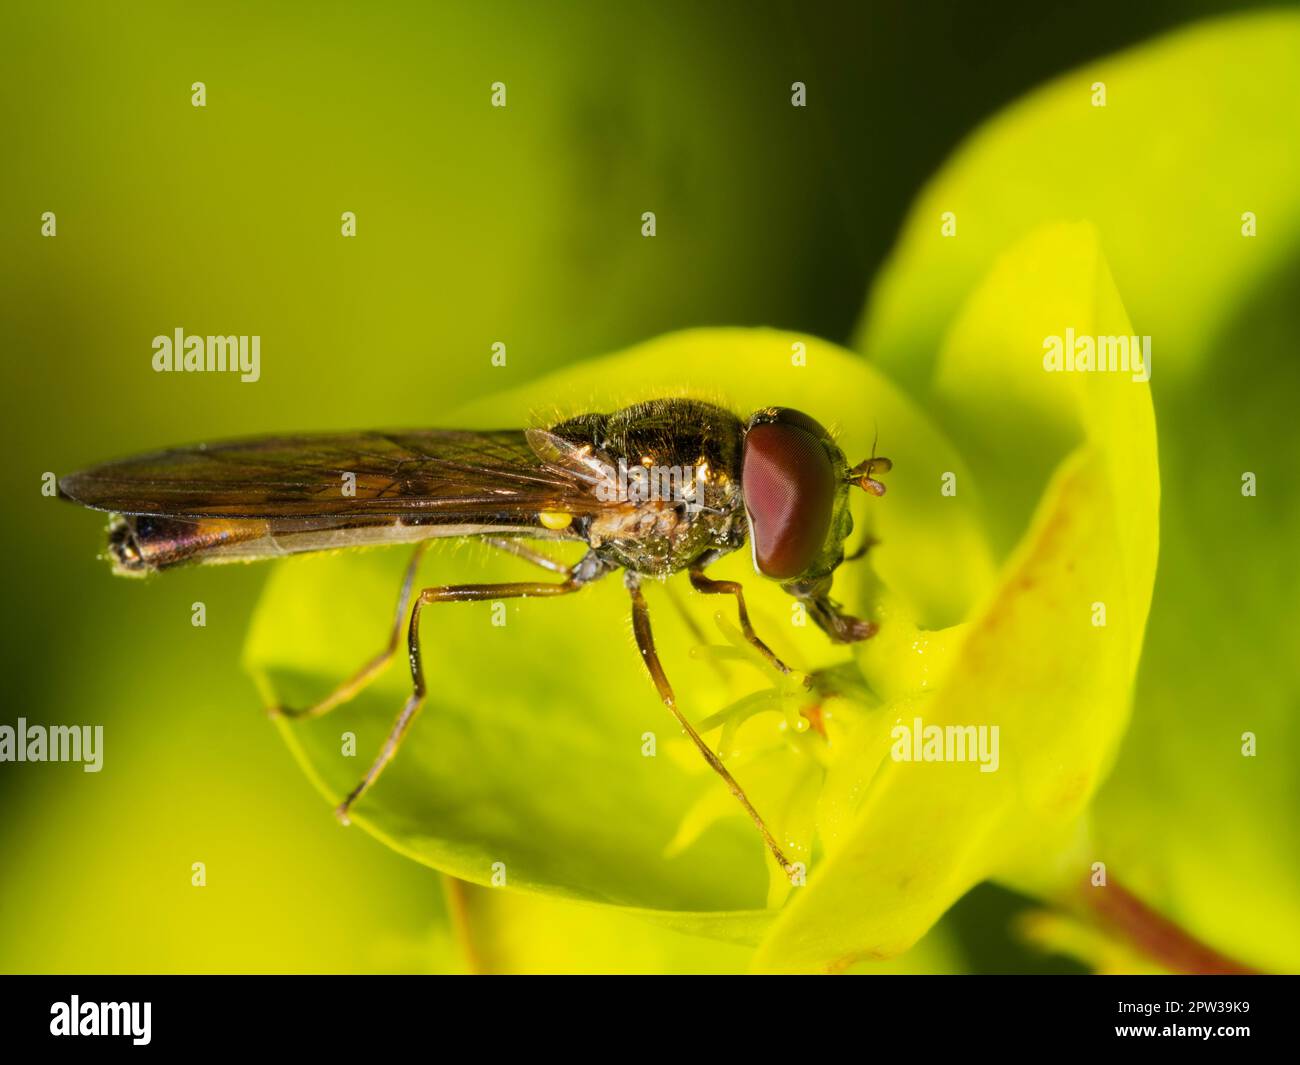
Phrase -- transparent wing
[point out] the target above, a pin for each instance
(449, 475)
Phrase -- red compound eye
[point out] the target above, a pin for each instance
(789, 486)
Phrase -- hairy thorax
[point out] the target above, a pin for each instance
(675, 483)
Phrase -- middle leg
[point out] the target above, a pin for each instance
(646, 644)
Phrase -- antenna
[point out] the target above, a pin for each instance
(861, 474)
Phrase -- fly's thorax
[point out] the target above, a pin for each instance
(662, 433)
(670, 488)
(657, 539)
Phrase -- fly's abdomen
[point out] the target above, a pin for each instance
(143, 543)
(139, 544)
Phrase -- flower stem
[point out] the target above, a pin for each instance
(1156, 936)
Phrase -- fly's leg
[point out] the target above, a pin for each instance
(646, 644)
(709, 586)
(349, 688)
(514, 547)
(449, 593)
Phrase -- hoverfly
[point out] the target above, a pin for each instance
(650, 489)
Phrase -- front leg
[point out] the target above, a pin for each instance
(816, 597)
(709, 586)
(840, 627)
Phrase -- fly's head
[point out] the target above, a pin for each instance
(795, 481)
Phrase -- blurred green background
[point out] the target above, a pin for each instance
(475, 225)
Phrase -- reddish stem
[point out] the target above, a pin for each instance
(1157, 936)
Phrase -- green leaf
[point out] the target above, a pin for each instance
(1199, 128)
(906, 838)
(528, 752)
(1202, 831)
(509, 932)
